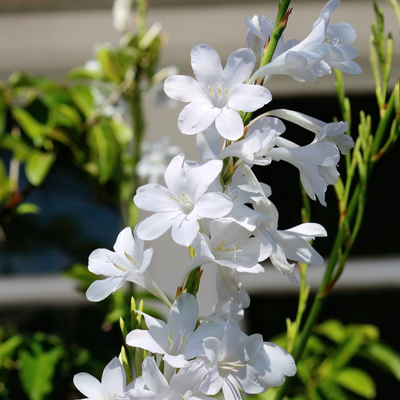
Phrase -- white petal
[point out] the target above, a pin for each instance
(184, 229)
(156, 198)
(154, 226)
(238, 67)
(229, 124)
(213, 205)
(206, 65)
(100, 289)
(101, 262)
(183, 88)
(182, 318)
(174, 176)
(153, 378)
(88, 385)
(156, 342)
(248, 97)
(114, 378)
(197, 116)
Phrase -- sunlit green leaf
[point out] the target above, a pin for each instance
(384, 355)
(82, 96)
(84, 73)
(27, 208)
(9, 346)
(104, 150)
(3, 117)
(64, 115)
(357, 381)
(32, 127)
(38, 165)
(332, 329)
(37, 370)
(122, 131)
(106, 57)
(17, 145)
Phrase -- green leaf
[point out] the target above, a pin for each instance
(107, 59)
(122, 131)
(37, 370)
(357, 381)
(17, 145)
(3, 116)
(82, 96)
(8, 347)
(19, 79)
(27, 208)
(64, 115)
(38, 165)
(104, 150)
(384, 355)
(333, 330)
(84, 73)
(33, 128)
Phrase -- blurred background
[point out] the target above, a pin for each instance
(50, 37)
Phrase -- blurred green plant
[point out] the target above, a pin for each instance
(326, 369)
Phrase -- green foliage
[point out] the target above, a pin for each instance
(325, 370)
(38, 366)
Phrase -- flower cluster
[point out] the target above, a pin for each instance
(219, 210)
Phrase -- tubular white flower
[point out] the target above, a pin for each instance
(217, 95)
(325, 47)
(128, 262)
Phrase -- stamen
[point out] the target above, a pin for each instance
(130, 258)
(211, 91)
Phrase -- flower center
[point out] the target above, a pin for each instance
(233, 250)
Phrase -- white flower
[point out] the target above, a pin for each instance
(227, 362)
(182, 386)
(230, 287)
(231, 246)
(288, 244)
(112, 386)
(325, 47)
(334, 132)
(316, 162)
(260, 139)
(183, 202)
(155, 158)
(217, 94)
(273, 363)
(127, 263)
(168, 338)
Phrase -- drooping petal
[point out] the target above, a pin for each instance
(101, 289)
